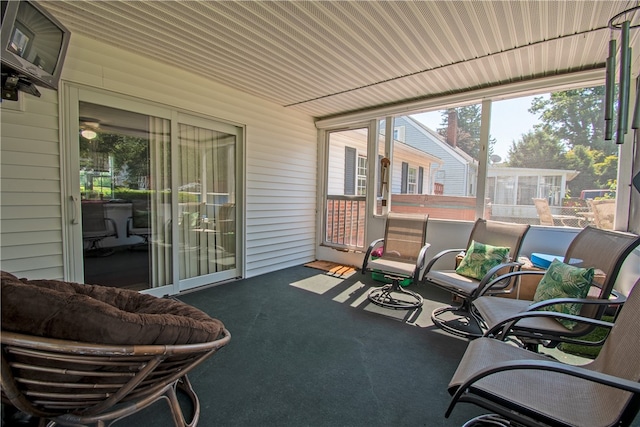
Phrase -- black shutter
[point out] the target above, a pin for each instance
(405, 175)
(379, 169)
(349, 171)
(420, 179)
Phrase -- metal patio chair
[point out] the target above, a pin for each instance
(466, 289)
(138, 224)
(521, 387)
(96, 226)
(404, 249)
(604, 250)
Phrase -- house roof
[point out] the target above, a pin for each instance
(501, 170)
(440, 140)
(326, 58)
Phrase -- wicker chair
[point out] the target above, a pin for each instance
(78, 354)
(73, 383)
(530, 389)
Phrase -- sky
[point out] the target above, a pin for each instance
(509, 120)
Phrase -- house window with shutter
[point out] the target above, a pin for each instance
(361, 177)
(412, 180)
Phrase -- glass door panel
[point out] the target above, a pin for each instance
(124, 180)
(206, 203)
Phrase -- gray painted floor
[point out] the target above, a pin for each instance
(308, 349)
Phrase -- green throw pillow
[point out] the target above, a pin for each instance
(481, 258)
(564, 281)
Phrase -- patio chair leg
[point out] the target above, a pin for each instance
(487, 420)
(462, 322)
(387, 295)
(183, 385)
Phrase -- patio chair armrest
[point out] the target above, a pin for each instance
(591, 301)
(505, 276)
(618, 300)
(422, 256)
(502, 329)
(370, 249)
(545, 365)
(129, 226)
(439, 255)
(499, 282)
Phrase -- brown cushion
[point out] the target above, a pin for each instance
(101, 315)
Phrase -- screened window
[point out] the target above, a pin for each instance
(551, 146)
(548, 146)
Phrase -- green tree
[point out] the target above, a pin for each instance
(468, 129)
(537, 149)
(127, 152)
(607, 171)
(583, 160)
(576, 117)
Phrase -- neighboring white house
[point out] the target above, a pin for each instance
(517, 186)
(458, 171)
(348, 162)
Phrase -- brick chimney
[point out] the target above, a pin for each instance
(452, 128)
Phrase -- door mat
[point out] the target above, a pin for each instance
(333, 268)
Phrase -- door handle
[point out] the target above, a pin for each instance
(74, 218)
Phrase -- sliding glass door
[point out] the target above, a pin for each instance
(206, 180)
(153, 196)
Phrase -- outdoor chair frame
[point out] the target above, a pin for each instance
(404, 254)
(96, 226)
(467, 289)
(74, 383)
(532, 389)
(605, 250)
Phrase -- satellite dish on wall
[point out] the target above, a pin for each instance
(495, 158)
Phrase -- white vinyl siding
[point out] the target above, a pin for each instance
(30, 196)
(454, 166)
(280, 156)
(341, 143)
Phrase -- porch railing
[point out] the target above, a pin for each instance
(345, 221)
(345, 215)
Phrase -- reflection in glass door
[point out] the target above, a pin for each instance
(206, 201)
(125, 197)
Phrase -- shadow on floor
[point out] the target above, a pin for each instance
(307, 349)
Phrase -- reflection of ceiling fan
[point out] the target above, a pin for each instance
(90, 127)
